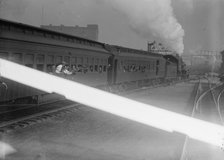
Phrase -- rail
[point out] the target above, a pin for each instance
(184, 150)
(197, 101)
(218, 105)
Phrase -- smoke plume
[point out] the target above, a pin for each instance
(155, 17)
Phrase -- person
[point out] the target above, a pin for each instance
(65, 70)
(4, 84)
(100, 69)
(51, 69)
(59, 68)
(74, 69)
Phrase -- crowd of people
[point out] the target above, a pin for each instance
(61, 68)
(65, 69)
(134, 68)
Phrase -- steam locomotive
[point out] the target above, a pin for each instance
(108, 67)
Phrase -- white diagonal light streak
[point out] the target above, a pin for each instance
(130, 109)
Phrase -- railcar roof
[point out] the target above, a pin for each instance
(47, 31)
(135, 51)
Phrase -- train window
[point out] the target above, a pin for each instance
(132, 68)
(79, 68)
(5, 26)
(47, 35)
(143, 68)
(17, 57)
(56, 37)
(86, 60)
(97, 61)
(67, 59)
(125, 68)
(90, 61)
(63, 38)
(29, 59)
(153, 65)
(73, 60)
(139, 68)
(157, 62)
(16, 29)
(121, 65)
(78, 41)
(105, 62)
(100, 69)
(70, 39)
(104, 68)
(40, 59)
(50, 59)
(74, 68)
(96, 68)
(157, 70)
(79, 60)
(51, 68)
(85, 68)
(87, 43)
(4, 55)
(29, 65)
(91, 68)
(58, 59)
(38, 33)
(40, 67)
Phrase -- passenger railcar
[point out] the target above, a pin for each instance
(135, 68)
(43, 49)
(93, 63)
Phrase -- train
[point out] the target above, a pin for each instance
(104, 66)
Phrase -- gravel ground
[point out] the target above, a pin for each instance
(89, 134)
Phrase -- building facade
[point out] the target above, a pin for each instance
(91, 31)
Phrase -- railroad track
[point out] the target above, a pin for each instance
(216, 99)
(21, 116)
(24, 116)
(197, 110)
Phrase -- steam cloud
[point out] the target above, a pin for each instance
(155, 17)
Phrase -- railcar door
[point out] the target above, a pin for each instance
(115, 71)
(110, 70)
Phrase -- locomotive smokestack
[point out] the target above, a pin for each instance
(151, 46)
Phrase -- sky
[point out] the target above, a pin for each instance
(187, 26)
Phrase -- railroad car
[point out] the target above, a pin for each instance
(107, 67)
(43, 50)
(135, 68)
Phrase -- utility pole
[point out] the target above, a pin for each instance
(42, 15)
